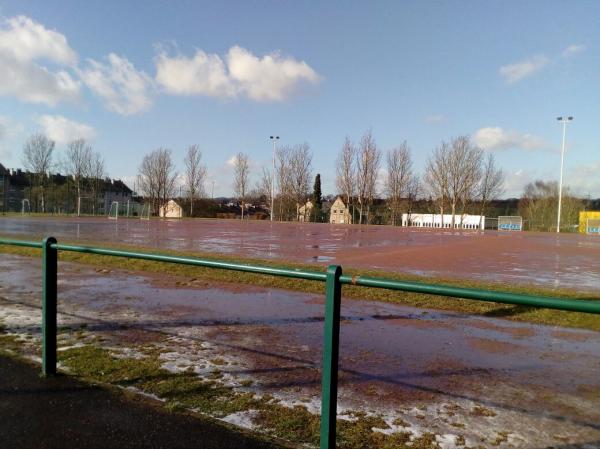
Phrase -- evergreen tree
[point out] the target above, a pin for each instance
(317, 199)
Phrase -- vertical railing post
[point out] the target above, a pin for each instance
(49, 309)
(331, 349)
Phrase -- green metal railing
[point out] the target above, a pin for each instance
(333, 279)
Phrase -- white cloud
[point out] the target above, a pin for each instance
(519, 70)
(27, 40)
(572, 50)
(9, 131)
(434, 119)
(32, 83)
(124, 89)
(22, 43)
(496, 138)
(583, 180)
(240, 73)
(231, 161)
(4, 151)
(515, 182)
(201, 75)
(62, 130)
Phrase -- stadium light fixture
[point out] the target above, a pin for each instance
(564, 121)
(273, 139)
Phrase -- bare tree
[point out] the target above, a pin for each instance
(157, 177)
(283, 175)
(413, 191)
(399, 174)
(79, 160)
(464, 173)
(37, 158)
(241, 167)
(264, 184)
(452, 174)
(300, 173)
(367, 167)
(491, 184)
(346, 171)
(195, 173)
(96, 176)
(436, 175)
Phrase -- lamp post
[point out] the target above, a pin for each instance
(273, 139)
(564, 121)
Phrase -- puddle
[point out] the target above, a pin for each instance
(543, 259)
(427, 367)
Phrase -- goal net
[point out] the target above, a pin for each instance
(593, 226)
(25, 207)
(113, 213)
(145, 212)
(510, 223)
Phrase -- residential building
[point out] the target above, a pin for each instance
(339, 213)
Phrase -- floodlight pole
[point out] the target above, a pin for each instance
(273, 139)
(564, 121)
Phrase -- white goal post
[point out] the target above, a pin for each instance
(592, 226)
(145, 213)
(25, 210)
(510, 223)
(113, 213)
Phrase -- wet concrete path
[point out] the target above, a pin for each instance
(447, 373)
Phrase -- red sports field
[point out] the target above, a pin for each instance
(556, 261)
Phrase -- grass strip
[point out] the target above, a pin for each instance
(517, 313)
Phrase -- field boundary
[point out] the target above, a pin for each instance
(333, 279)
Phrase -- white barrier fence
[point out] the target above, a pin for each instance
(444, 221)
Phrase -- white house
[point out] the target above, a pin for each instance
(305, 211)
(170, 210)
(339, 212)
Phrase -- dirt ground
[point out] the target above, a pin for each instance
(496, 383)
(544, 259)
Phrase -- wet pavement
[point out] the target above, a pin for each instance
(442, 372)
(569, 261)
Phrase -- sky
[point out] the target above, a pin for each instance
(134, 76)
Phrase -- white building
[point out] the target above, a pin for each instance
(438, 221)
(170, 210)
(339, 212)
(305, 211)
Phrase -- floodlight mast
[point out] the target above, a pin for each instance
(273, 139)
(564, 121)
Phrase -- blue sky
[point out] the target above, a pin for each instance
(135, 76)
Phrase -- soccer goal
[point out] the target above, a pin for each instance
(145, 213)
(510, 223)
(25, 207)
(113, 213)
(592, 226)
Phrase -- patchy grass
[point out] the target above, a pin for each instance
(8, 342)
(502, 437)
(517, 313)
(479, 410)
(186, 390)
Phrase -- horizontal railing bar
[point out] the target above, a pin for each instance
(298, 274)
(548, 302)
(20, 243)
